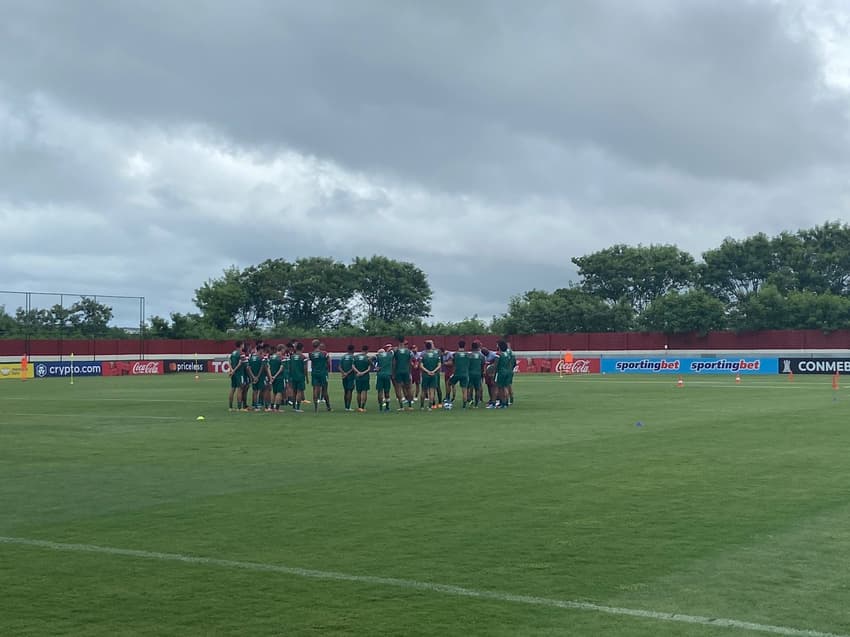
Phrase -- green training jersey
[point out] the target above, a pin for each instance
(319, 362)
(362, 362)
(346, 363)
(296, 367)
(431, 360)
(402, 357)
(461, 361)
(275, 363)
(385, 364)
(476, 363)
(235, 357)
(255, 364)
(506, 362)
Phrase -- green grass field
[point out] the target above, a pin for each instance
(730, 502)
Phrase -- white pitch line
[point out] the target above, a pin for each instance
(84, 415)
(700, 382)
(446, 589)
(125, 399)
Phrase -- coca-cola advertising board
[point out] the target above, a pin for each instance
(557, 366)
(133, 368)
(577, 366)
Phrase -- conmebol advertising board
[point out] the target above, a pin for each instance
(814, 365)
(731, 365)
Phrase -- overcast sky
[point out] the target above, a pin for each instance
(145, 146)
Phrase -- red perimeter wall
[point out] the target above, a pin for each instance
(623, 341)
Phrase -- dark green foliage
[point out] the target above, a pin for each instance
(84, 319)
(564, 310)
(679, 313)
(797, 280)
(636, 275)
(391, 290)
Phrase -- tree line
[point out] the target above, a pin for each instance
(798, 280)
(84, 319)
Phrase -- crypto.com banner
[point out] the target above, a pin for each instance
(58, 369)
(731, 365)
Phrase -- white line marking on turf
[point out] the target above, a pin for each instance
(124, 399)
(84, 415)
(446, 589)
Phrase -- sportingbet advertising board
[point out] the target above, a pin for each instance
(730, 365)
(59, 369)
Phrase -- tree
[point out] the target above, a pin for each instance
(65, 319)
(318, 294)
(93, 317)
(470, 325)
(564, 310)
(827, 263)
(738, 269)
(33, 322)
(636, 275)
(812, 311)
(180, 326)
(159, 327)
(392, 291)
(766, 309)
(223, 300)
(8, 325)
(679, 313)
(271, 282)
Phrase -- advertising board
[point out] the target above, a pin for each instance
(731, 365)
(12, 371)
(813, 366)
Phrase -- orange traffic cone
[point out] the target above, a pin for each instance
(790, 377)
(835, 381)
(680, 382)
(737, 378)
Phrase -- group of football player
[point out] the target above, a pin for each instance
(277, 376)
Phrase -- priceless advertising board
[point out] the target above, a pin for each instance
(731, 365)
(12, 371)
(814, 365)
(133, 368)
(59, 369)
(185, 366)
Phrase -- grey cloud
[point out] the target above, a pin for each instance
(567, 126)
(451, 93)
